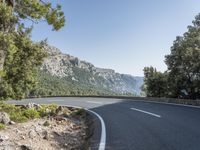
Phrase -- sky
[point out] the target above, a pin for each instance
(124, 35)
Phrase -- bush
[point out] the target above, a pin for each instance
(31, 114)
(18, 117)
(8, 108)
(78, 112)
(2, 126)
(47, 110)
(20, 114)
(14, 112)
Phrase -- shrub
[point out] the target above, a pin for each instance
(2, 126)
(47, 110)
(18, 117)
(8, 108)
(78, 112)
(31, 113)
(14, 112)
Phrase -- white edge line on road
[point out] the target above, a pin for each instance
(102, 143)
(184, 105)
(56, 100)
(146, 112)
(94, 102)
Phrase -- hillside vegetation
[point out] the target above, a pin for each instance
(63, 74)
(49, 85)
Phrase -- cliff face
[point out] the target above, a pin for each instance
(72, 68)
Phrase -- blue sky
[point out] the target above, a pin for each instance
(125, 35)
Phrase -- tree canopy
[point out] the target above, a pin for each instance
(19, 56)
(182, 78)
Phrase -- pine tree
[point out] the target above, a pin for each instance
(19, 56)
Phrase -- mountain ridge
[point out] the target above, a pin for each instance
(72, 68)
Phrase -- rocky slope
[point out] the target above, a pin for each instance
(82, 72)
(67, 129)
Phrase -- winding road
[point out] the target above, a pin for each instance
(136, 125)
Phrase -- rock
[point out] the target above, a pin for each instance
(33, 106)
(12, 123)
(4, 118)
(25, 147)
(38, 130)
(46, 123)
(48, 110)
(18, 131)
(46, 135)
(62, 111)
(3, 138)
(32, 134)
(60, 118)
(40, 123)
(59, 110)
(23, 137)
(58, 134)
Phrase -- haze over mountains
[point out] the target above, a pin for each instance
(80, 73)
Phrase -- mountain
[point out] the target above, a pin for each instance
(72, 72)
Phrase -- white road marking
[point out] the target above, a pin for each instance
(94, 102)
(184, 105)
(146, 112)
(55, 100)
(102, 143)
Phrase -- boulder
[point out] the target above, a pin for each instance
(46, 135)
(3, 138)
(33, 106)
(26, 147)
(12, 123)
(4, 118)
(62, 110)
(32, 134)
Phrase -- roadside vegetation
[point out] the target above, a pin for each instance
(35, 126)
(21, 114)
(20, 57)
(182, 78)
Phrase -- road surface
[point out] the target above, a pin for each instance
(137, 125)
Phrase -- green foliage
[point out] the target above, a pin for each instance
(19, 56)
(49, 85)
(20, 114)
(154, 82)
(183, 74)
(15, 113)
(31, 113)
(2, 126)
(20, 66)
(18, 117)
(37, 10)
(47, 110)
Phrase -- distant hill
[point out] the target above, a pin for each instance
(68, 75)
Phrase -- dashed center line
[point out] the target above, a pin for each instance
(146, 112)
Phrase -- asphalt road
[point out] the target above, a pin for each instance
(137, 125)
